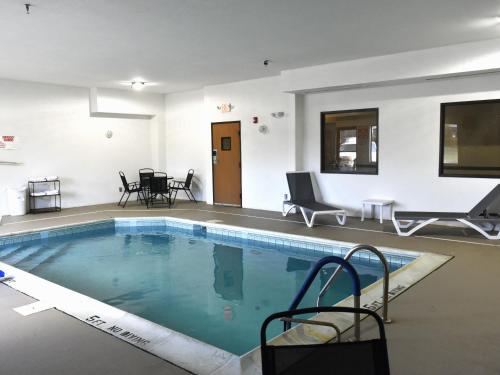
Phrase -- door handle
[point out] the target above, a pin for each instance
(214, 156)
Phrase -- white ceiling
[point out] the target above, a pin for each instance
(187, 44)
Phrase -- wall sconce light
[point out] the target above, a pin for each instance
(278, 114)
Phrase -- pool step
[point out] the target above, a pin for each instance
(6, 252)
(27, 255)
(18, 253)
(48, 257)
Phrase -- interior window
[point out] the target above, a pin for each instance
(470, 139)
(349, 141)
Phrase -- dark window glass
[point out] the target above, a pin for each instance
(349, 141)
(470, 139)
(225, 144)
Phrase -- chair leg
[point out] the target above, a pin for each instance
(192, 195)
(119, 203)
(476, 227)
(126, 200)
(309, 222)
(398, 225)
(140, 196)
(341, 218)
(175, 195)
(284, 211)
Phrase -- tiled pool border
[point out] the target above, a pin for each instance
(176, 347)
(214, 231)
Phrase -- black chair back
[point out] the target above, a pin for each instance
(124, 181)
(300, 185)
(158, 185)
(367, 357)
(189, 178)
(145, 175)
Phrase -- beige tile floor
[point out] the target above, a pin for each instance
(449, 323)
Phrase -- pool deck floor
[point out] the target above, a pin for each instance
(448, 323)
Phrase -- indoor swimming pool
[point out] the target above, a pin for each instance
(214, 285)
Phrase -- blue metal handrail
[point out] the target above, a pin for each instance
(348, 256)
(356, 290)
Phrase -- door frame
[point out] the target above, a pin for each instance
(212, 163)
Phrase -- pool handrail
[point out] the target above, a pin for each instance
(348, 256)
(312, 275)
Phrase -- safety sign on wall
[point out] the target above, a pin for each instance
(8, 142)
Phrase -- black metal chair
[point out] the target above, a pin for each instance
(145, 175)
(184, 186)
(130, 188)
(367, 357)
(159, 191)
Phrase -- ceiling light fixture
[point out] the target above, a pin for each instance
(137, 85)
(27, 6)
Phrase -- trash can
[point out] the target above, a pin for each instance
(16, 200)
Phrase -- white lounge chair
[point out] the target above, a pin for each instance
(302, 196)
(479, 218)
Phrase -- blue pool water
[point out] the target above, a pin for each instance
(216, 290)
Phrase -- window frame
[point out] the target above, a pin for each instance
(441, 139)
(322, 132)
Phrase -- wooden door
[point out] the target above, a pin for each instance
(226, 163)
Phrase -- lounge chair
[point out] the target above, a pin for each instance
(129, 188)
(340, 356)
(184, 186)
(479, 218)
(302, 196)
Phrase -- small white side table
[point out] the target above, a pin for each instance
(376, 202)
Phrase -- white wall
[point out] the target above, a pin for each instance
(186, 139)
(409, 121)
(58, 137)
(264, 157)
